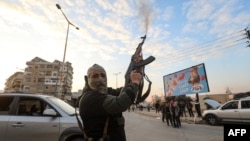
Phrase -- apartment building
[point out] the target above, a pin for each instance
(52, 78)
(14, 82)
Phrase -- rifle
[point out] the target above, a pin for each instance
(137, 63)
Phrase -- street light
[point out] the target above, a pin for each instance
(117, 78)
(65, 47)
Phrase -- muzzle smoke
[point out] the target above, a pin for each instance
(145, 13)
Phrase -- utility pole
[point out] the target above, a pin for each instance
(116, 74)
(65, 48)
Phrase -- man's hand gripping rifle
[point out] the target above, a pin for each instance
(137, 63)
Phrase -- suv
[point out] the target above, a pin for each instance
(234, 111)
(36, 117)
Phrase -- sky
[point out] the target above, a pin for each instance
(180, 34)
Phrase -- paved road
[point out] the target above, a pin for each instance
(145, 128)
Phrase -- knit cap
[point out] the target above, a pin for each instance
(95, 67)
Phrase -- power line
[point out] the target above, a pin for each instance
(207, 44)
(217, 44)
(203, 51)
(202, 56)
(202, 48)
(211, 53)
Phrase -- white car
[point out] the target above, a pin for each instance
(35, 117)
(233, 111)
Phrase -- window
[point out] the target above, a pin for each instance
(40, 80)
(231, 105)
(42, 66)
(235, 105)
(26, 87)
(27, 79)
(49, 66)
(245, 104)
(48, 73)
(30, 107)
(5, 104)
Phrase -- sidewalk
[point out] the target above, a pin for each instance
(191, 120)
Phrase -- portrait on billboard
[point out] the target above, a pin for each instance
(195, 79)
(188, 81)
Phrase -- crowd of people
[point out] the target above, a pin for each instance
(171, 111)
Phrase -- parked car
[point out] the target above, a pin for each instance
(36, 117)
(233, 111)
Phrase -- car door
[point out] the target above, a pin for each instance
(245, 111)
(5, 106)
(24, 126)
(230, 111)
(3, 125)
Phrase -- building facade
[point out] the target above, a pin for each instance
(52, 78)
(14, 82)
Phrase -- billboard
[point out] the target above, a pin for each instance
(188, 81)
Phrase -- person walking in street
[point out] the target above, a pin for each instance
(101, 107)
(190, 109)
(157, 108)
(163, 112)
(177, 114)
(168, 114)
(182, 106)
(172, 112)
(129, 109)
(133, 107)
(148, 107)
(141, 107)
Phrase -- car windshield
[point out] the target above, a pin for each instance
(63, 105)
